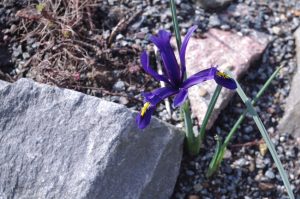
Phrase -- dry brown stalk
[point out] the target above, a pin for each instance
(122, 25)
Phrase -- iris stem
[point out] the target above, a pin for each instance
(192, 142)
(208, 113)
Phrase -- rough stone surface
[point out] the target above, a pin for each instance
(213, 4)
(290, 121)
(228, 50)
(57, 143)
(3, 84)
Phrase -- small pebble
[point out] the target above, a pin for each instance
(119, 86)
(269, 174)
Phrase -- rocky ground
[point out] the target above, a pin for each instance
(99, 55)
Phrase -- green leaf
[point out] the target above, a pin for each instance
(267, 139)
(175, 24)
(243, 115)
(213, 165)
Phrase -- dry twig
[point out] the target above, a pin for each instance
(122, 25)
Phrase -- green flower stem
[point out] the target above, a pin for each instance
(208, 113)
(185, 109)
(192, 142)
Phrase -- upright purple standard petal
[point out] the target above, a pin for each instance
(171, 66)
(180, 98)
(224, 80)
(146, 66)
(199, 77)
(183, 50)
(144, 119)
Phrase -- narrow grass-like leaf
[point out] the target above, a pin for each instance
(214, 162)
(239, 121)
(175, 24)
(267, 139)
(242, 117)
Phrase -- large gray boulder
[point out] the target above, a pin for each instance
(3, 84)
(290, 123)
(58, 143)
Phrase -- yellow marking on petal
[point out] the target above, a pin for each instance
(224, 75)
(145, 108)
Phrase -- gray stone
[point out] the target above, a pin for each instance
(270, 174)
(228, 50)
(214, 20)
(3, 84)
(119, 85)
(58, 143)
(290, 121)
(213, 4)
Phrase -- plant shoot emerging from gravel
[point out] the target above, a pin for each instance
(174, 76)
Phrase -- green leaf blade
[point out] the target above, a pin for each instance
(267, 139)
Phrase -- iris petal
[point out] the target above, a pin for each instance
(154, 97)
(149, 70)
(199, 77)
(171, 66)
(144, 120)
(183, 50)
(180, 98)
(225, 81)
(159, 94)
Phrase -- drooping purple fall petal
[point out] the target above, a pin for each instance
(224, 80)
(199, 77)
(151, 100)
(144, 120)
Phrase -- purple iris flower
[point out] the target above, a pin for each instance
(174, 76)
